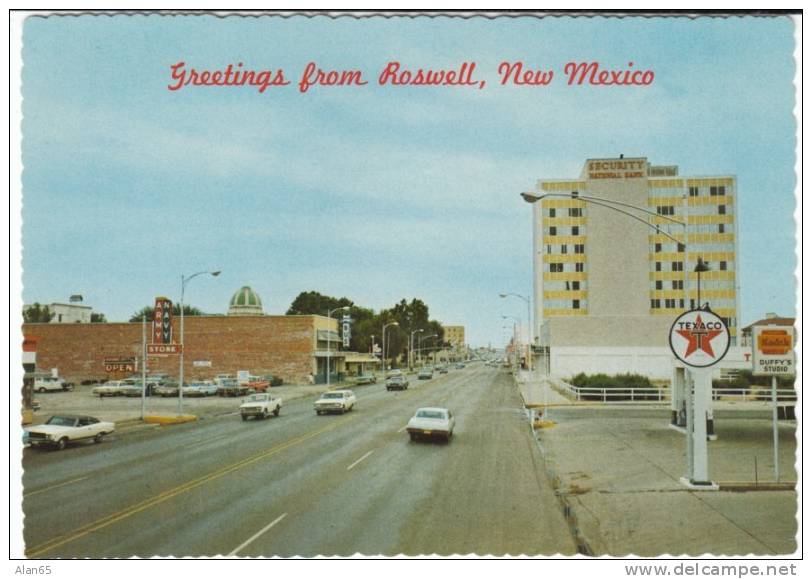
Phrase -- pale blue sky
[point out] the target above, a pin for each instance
(375, 193)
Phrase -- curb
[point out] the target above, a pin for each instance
(169, 419)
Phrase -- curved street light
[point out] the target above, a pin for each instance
(411, 347)
(420, 341)
(183, 281)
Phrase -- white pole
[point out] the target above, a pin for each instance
(689, 423)
(775, 427)
(180, 385)
(143, 365)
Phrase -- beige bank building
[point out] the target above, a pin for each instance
(610, 279)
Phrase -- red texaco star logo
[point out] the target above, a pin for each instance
(699, 338)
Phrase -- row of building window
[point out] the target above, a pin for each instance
(575, 231)
(559, 267)
(677, 266)
(577, 248)
(571, 212)
(669, 304)
(676, 284)
(715, 191)
(564, 304)
(671, 210)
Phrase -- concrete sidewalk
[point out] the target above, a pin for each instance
(541, 392)
(618, 469)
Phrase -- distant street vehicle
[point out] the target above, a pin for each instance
(432, 423)
(459, 366)
(398, 382)
(366, 379)
(335, 401)
(111, 388)
(201, 388)
(426, 373)
(258, 384)
(62, 429)
(231, 388)
(166, 390)
(260, 406)
(135, 390)
(51, 385)
(443, 369)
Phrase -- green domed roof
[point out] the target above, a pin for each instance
(245, 301)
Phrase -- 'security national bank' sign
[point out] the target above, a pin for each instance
(616, 169)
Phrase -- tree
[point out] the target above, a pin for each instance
(149, 311)
(37, 314)
(97, 318)
(314, 303)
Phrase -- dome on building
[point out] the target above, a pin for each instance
(245, 302)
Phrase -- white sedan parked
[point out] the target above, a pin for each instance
(62, 429)
(431, 422)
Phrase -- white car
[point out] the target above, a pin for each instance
(335, 401)
(431, 422)
(62, 429)
(202, 388)
(51, 385)
(260, 406)
(111, 388)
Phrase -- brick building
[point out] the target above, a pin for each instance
(292, 347)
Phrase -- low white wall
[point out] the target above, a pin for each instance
(656, 363)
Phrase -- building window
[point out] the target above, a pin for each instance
(576, 231)
(579, 248)
(658, 247)
(693, 191)
(722, 210)
(576, 285)
(556, 267)
(563, 248)
(655, 304)
(717, 191)
(658, 266)
(553, 231)
(676, 284)
(676, 266)
(670, 304)
(576, 304)
(721, 228)
(682, 304)
(575, 212)
(579, 267)
(680, 247)
(665, 209)
(552, 212)
(60, 317)
(575, 193)
(658, 285)
(723, 266)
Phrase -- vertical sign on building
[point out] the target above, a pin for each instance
(346, 321)
(162, 321)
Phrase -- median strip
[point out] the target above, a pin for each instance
(171, 493)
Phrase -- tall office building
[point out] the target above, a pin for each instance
(608, 285)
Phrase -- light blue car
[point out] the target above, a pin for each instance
(203, 388)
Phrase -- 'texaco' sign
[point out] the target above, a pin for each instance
(773, 351)
(699, 338)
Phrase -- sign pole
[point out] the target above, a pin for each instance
(775, 426)
(143, 365)
(689, 422)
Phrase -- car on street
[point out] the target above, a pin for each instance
(459, 366)
(426, 373)
(200, 388)
(166, 390)
(443, 369)
(43, 385)
(110, 388)
(398, 382)
(335, 401)
(62, 429)
(431, 422)
(134, 389)
(366, 379)
(260, 405)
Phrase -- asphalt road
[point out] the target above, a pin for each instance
(306, 485)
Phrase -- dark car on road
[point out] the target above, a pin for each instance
(397, 382)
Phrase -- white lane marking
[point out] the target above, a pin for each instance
(359, 460)
(55, 486)
(402, 428)
(257, 535)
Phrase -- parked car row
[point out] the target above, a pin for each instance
(160, 385)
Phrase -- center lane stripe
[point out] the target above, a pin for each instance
(359, 460)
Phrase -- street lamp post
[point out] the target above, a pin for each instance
(420, 341)
(411, 347)
(329, 313)
(183, 281)
(515, 340)
(529, 326)
(383, 344)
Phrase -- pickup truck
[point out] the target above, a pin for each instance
(51, 385)
(260, 406)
